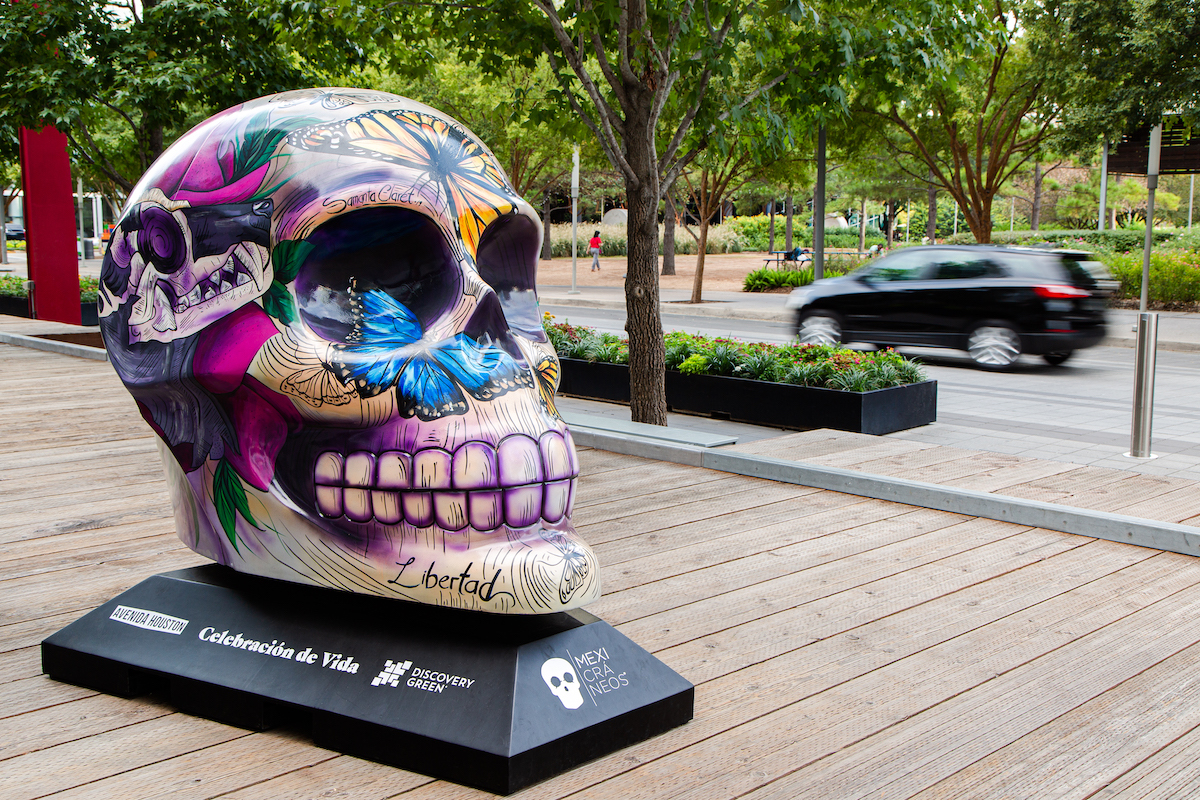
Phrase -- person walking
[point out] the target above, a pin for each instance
(594, 246)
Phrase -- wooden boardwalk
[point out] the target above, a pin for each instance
(841, 647)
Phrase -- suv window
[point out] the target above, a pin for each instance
(903, 266)
(1035, 266)
(950, 267)
(1080, 276)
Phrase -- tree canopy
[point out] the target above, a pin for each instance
(123, 79)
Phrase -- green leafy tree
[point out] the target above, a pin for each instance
(121, 80)
(709, 184)
(972, 128)
(1120, 64)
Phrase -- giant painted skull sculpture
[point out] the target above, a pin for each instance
(323, 302)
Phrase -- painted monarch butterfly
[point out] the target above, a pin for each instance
(386, 348)
(329, 99)
(575, 564)
(547, 371)
(470, 184)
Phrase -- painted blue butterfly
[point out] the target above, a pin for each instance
(387, 347)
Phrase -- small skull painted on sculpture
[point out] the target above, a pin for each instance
(324, 304)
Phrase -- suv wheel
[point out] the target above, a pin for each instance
(994, 346)
(819, 328)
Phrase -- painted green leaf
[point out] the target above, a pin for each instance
(278, 303)
(287, 257)
(229, 496)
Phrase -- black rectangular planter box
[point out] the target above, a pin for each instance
(763, 403)
(19, 307)
(14, 306)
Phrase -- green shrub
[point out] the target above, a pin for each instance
(801, 364)
(694, 365)
(1188, 240)
(14, 286)
(1119, 240)
(767, 278)
(760, 365)
(723, 357)
(1174, 275)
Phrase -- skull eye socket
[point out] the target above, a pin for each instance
(507, 261)
(160, 240)
(568, 678)
(555, 682)
(395, 250)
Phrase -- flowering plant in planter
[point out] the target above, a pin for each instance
(14, 286)
(821, 366)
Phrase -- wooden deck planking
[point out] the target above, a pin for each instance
(842, 647)
(1172, 772)
(1021, 689)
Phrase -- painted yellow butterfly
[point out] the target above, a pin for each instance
(465, 174)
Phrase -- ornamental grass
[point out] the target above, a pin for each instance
(822, 366)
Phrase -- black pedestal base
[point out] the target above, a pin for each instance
(483, 700)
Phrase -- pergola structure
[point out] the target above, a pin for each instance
(1180, 150)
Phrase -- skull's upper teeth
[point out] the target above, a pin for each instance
(232, 274)
(517, 482)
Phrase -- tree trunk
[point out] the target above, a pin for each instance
(668, 245)
(698, 281)
(862, 226)
(547, 249)
(931, 222)
(647, 355)
(156, 142)
(1035, 215)
(788, 226)
(890, 210)
(979, 220)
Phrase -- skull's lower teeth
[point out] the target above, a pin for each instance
(452, 511)
(516, 483)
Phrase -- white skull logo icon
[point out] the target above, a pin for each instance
(560, 676)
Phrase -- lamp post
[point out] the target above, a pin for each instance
(818, 249)
(1147, 330)
(1191, 197)
(1103, 187)
(574, 216)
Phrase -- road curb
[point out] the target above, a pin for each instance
(1157, 535)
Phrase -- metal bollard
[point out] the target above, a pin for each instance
(1143, 385)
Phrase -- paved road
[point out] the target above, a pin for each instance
(1079, 412)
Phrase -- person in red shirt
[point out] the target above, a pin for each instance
(594, 246)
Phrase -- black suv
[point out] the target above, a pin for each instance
(993, 302)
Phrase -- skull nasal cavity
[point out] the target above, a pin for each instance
(394, 250)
